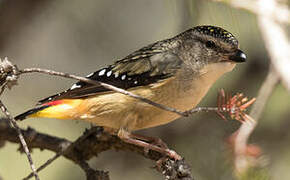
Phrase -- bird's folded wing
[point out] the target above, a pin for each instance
(141, 68)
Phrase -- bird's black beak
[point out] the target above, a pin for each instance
(238, 57)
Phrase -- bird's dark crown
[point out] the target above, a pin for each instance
(216, 32)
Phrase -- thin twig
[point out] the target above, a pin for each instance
(44, 165)
(21, 138)
(264, 93)
(3, 88)
(248, 127)
(8, 78)
(60, 153)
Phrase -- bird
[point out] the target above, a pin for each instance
(175, 72)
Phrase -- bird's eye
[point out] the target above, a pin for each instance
(210, 44)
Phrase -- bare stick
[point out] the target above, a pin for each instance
(248, 127)
(21, 138)
(44, 165)
(60, 153)
(8, 78)
(264, 93)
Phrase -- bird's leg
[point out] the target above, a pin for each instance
(138, 141)
(152, 140)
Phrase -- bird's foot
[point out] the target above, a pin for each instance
(143, 141)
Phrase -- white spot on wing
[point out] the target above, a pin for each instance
(102, 72)
(75, 86)
(123, 77)
(135, 82)
(109, 73)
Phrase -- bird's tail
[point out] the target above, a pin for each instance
(59, 109)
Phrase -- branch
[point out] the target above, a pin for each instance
(246, 129)
(95, 142)
(8, 79)
(264, 93)
(13, 124)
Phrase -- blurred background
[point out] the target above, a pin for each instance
(80, 37)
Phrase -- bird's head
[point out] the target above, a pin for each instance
(207, 45)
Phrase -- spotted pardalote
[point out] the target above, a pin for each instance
(175, 72)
